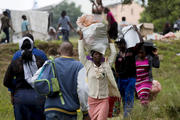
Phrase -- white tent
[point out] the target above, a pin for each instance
(38, 24)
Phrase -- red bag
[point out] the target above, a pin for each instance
(114, 106)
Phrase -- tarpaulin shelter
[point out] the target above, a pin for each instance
(38, 21)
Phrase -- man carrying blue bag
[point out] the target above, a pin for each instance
(62, 80)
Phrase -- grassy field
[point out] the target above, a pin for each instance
(165, 107)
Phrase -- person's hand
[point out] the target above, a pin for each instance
(12, 99)
(80, 34)
(110, 40)
(135, 27)
(74, 30)
(155, 52)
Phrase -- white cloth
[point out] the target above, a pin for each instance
(30, 67)
(82, 89)
(26, 38)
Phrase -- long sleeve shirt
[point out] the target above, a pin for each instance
(101, 82)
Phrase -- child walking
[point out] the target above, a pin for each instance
(144, 64)
(126, 72)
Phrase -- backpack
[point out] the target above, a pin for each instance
(47, 83)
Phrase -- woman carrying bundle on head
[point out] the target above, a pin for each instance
(101, 82)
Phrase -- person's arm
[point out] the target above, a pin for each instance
(17, 55)
(109, 21)
(8, 78)
(155, 59)
(112, 57)
(81, 51)
(27, 26)
(69, 23)
(59, 25)
(139, 34)
(10, 26)
(71, 26)
(82, 90)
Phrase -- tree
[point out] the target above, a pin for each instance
(161, 11)
(72, 11)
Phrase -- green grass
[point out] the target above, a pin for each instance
(165, 107)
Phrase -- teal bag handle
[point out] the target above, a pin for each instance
(55, 81)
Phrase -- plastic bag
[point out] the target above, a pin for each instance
(156, 88)
(131, 36)
(95, 37)
(86, 20)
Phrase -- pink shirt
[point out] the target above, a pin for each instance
(112, 17)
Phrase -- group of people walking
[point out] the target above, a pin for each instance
(87, 84)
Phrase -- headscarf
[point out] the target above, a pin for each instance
(29, 67)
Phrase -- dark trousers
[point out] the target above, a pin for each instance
(6, 31)
(65, 34)
(28, 105)
(127, 87)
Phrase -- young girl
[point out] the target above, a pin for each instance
(144, 64)
(126, 71)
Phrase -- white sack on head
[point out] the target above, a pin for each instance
(95, 37)
(131, 36)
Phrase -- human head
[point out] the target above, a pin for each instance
(123, 18)
(63, 13)
(66, 49)
(24, 17)
(26, 46)
(29, 35)
(142, 52)
(96, 56)
(121, 45)
(5, 13)
(167, 25)
(106, 10)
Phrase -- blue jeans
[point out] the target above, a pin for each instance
(59, 116)
(28, 105)
(65, 34)
(127, 87)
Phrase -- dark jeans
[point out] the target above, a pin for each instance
(28, 105)
(65, 34)
(59, 116)
(127, 87)
(6, 31)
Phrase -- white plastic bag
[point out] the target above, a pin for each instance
(95, 37)
(131, 36)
